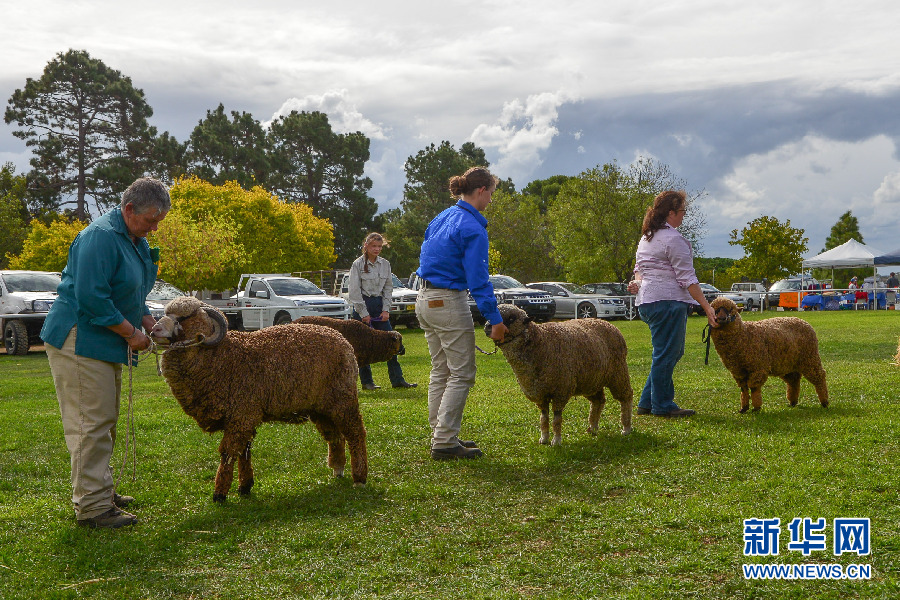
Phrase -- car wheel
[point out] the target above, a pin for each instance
(15, 338)
(586, 311)
(749, 304)
(282, 318)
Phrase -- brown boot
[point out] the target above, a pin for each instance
(111, 519)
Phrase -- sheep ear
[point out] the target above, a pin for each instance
(220, 326)
(528, 320)
(740, 309)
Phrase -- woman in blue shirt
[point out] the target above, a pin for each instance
(92, 329)
(454, 259)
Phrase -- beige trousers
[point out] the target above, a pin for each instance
(88, 391)
(450, 334)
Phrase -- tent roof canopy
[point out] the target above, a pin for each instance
(849, 255)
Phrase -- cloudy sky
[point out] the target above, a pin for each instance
(787, 109)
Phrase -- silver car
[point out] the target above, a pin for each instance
(575, 301)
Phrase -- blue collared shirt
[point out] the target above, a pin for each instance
(455, 255)
(106, 280)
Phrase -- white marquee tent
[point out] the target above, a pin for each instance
(849, 255)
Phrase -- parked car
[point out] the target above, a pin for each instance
(788, 293)
(25, 300)
(754, 294)
(537, 304)
(710, 292)
(607, 289)
(161, 294)
(575, 301)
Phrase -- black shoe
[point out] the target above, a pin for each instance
(122, 501)
(455, 452)
(111, 519)
(371, 386)
(468, 444)
(642, 411)
(406, 384)
(678, 412)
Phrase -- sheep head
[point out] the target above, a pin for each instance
(726, 310)
(515, 319)
(189, 320)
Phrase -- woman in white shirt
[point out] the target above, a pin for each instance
(370, 286)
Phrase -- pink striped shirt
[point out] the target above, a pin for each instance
(665, 266)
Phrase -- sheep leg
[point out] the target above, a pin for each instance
(625, 395)
(337, 457)
(793, 387)
(817, 378)
(598, 401)
(545, 423)
(756, 398)
(234, 443)
(557, 427)
(245, 471)
(351, 427)
(745, 398)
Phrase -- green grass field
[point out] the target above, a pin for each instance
(657, 514)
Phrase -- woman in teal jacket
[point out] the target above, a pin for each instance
(93, 328)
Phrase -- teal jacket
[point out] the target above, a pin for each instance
(106, 280)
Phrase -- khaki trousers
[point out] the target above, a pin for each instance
(450, 334)
(88, 391)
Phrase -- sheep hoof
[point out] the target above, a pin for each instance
(359, 484)
(219, 498)
(743, 409)
(557, 441)
(544, 440)
(338, 472)
(626, 431)
(244, 490)
(825, 404)
(757, 408)
(591, 431)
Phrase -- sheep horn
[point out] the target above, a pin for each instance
(220, 326)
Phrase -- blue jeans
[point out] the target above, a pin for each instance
(667, 320)
(395, 373)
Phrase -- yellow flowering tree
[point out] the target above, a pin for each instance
(46, 248)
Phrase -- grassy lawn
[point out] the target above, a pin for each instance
(657, 514)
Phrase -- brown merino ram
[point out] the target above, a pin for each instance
(369, 345)
(555, 361)
(233, 381)
(785, 347)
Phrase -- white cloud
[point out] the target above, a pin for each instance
(342, 113)
(522, 132)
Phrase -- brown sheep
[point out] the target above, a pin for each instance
(785, 347)
(555, 361)
(233, 381)
(369, 345)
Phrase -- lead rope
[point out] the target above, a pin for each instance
(707, 331)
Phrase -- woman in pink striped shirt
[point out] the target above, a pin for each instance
(667, 290)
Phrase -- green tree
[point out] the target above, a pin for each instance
(521, 236)
(222, 149)
(316, 166)
(596, 218)
(13, 214)
(772, 249)
(87, 127)
(846, 228)
(274, 237)
(546, 190)
(714, 271)
(425, 194)
(46, 248)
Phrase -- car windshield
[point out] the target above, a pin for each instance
(294, 286)
(785, 284)
(613, 289)
(163, 292)
(575, 289)
(31, 282)
(396, 281)
(504, 282)
(707, 287)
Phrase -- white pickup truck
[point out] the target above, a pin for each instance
(25, 300)
(265, 299)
